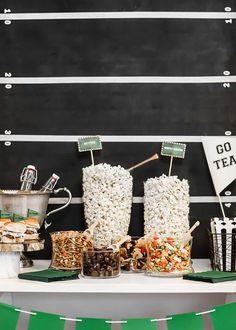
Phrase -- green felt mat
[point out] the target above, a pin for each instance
(211, 276)
(49, 275)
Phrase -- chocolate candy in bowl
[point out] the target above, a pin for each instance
(100, 263)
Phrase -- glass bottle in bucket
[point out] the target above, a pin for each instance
(28, 177)
(50, 183)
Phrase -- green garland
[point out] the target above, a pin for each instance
(223, 318)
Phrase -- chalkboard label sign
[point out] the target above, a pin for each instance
(89, 143)
(173, 149)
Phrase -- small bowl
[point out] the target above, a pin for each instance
(100, 263)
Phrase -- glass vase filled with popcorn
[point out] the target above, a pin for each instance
(107, 196)
(166, 205)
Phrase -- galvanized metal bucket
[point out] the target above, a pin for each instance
(20, 202)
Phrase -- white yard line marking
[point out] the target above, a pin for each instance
(139, 200)
(120, 80)
(104, 138)
(118, 15)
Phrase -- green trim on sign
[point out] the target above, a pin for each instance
(89, 143)
(173, 149)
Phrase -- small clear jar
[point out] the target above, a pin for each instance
(100, 263)
(67, 247)
(168, 257)
(133, 255)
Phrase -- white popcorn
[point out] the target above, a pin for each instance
(107, 197)
(166, 206)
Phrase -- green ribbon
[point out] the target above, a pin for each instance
(42, 321)
(93, 324)
(188, 321)
(139, 324)
(8, 317)
(224, 317)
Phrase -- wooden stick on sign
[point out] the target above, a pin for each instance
(171, 163)
(221, 205)
(92, 158)
(153, 157)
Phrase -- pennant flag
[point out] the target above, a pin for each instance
(188, 321)
(93, 324)
(8, 317)
(42, 321)
(224, 317)
(221, 158)
(139, 324)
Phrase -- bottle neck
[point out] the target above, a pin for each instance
(49, 185)
(28, 178)
(45, 189)
(27, 186)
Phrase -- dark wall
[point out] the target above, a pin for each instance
(116, 47)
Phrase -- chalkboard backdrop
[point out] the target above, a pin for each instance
(115, 47)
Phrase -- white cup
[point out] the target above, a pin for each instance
(9, 264)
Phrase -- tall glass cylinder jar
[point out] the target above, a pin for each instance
(107, 197)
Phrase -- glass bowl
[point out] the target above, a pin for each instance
(168, 257)
(67, 247)
(100, 263)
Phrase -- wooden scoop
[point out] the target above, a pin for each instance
(153, 157)
(88, 233)
(187, 237)
(116, 246)
(147, 236)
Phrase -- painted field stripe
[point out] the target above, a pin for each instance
(104, 138)
(139, 200)
(118, 15)
(120, 80)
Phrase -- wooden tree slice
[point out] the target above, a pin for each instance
(27, 246)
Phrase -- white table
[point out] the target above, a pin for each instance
(130, 295)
